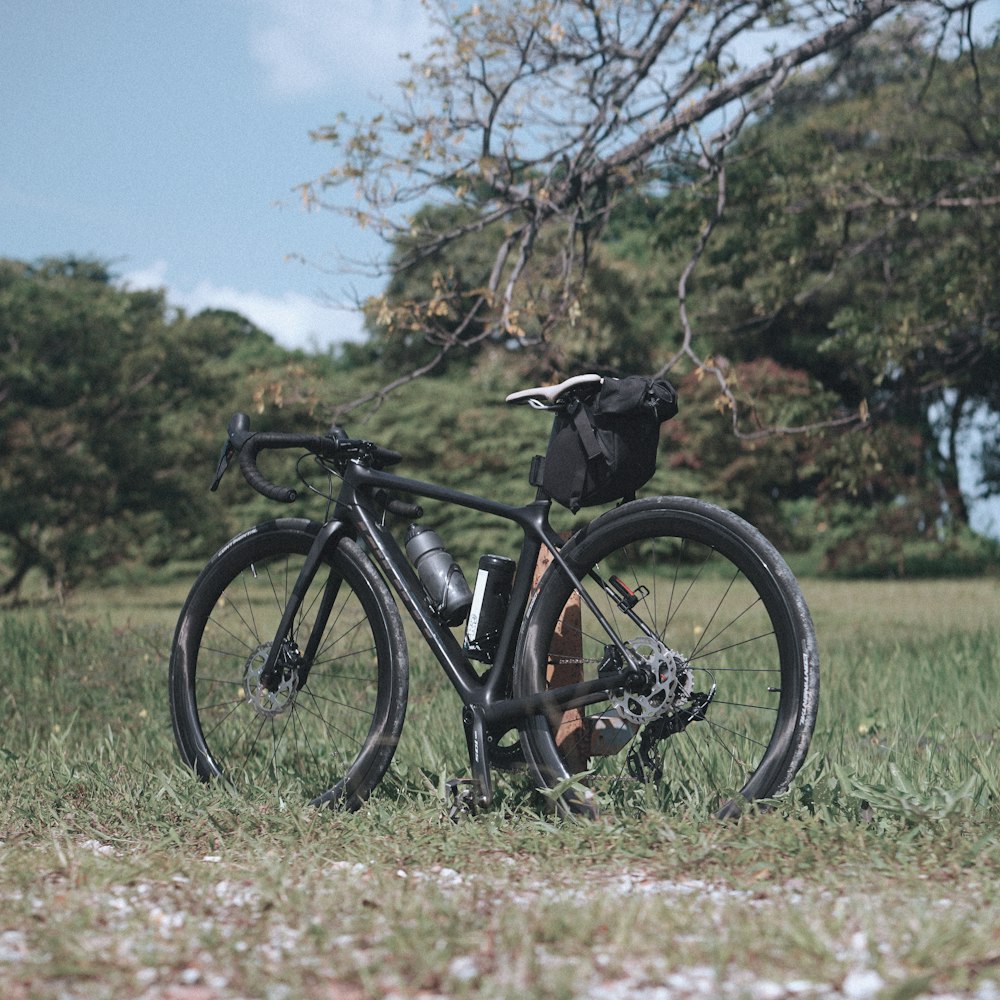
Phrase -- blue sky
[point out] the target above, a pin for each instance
(168, 138)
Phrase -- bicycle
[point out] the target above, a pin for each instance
(667, 647)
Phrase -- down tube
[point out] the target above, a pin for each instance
(533, 521)
(405, 583)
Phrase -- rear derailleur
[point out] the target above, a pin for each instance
(643, 762)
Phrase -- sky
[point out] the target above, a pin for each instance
(168, 138)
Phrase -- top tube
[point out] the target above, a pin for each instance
(523, 514)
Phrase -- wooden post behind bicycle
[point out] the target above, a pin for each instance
(565, 666)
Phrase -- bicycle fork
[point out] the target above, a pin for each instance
(273, 668)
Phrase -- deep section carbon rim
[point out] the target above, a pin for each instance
(326, 724)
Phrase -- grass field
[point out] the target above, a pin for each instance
(876, 876)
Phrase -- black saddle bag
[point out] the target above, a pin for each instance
(603, 446)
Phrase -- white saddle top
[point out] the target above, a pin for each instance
(547, 395)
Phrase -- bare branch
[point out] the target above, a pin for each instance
(533, 118)
(378, 396)
(777, 68)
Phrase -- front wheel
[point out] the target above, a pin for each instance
(326, 720)
(725, 697)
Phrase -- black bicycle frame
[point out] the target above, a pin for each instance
(489, 710)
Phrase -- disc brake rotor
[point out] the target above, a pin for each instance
(259, 695)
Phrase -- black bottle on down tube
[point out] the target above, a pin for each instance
(489, 606)
(439, 573)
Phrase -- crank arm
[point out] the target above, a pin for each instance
(474, 720)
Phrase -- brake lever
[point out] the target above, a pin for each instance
(224, 459)
(238, 432)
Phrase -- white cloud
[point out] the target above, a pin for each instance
(307, 47)
(293, 319)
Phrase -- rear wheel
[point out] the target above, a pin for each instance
(327, 726)
(716, 622)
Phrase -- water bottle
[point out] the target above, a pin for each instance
(440, 575)
(489, 607)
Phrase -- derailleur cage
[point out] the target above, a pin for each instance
(643, 757)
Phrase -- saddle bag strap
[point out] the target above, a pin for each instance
(591, 446)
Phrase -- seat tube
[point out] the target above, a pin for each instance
(498, 680)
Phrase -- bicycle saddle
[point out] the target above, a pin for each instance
(548, 395)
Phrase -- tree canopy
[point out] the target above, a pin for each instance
(529, 122)
(104, 400)
(806, 243)
(862, 216)
(847, 280)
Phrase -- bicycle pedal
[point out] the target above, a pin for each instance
(461, 793)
